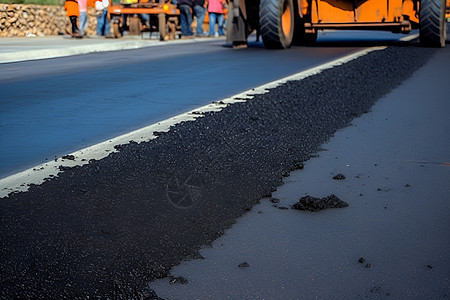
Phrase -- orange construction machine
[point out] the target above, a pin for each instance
(138, 16)
(282, 23)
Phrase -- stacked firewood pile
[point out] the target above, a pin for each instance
(18, 20)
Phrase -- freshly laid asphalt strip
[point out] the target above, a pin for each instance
(108, 228)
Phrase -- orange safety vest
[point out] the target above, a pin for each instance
(71, 6)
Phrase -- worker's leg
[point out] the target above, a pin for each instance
(100, 24)
(103, 27)
(73, 21)
(200, 14)
(185, 19)
(220, 19)
(212, 24)
(107, 30)
(83, 22)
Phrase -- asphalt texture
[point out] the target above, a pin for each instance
(107, 228)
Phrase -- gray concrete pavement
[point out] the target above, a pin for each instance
(33, 48)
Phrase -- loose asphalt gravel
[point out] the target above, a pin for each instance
(105, 229)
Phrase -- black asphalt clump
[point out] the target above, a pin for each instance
(105, 229)
(317, 204)
(68, 157)
(339, 177)
(297, 165)
(274, 200)
(64, 168)
(178, 280)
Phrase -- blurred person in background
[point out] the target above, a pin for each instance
(72, 11)
(216, 13)
(103, 27)
(185, 7)
(199, 11)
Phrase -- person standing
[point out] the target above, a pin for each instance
(199, 11)
(216, 13)
(71, 7)
(82, 4)
(103, 27)
(185, 7)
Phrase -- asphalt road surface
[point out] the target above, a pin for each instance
(49, 108)
(108, 228)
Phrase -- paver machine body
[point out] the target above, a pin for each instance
(447, 12)
(285, 22)
(161, 16)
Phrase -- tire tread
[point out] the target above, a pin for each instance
(431, 15)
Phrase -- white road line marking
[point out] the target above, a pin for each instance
(20, 181)
(409, 37)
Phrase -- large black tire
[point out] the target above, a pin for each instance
(276, 21)
(162, 26)
(432, 23)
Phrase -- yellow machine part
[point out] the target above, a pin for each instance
(128, 1)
